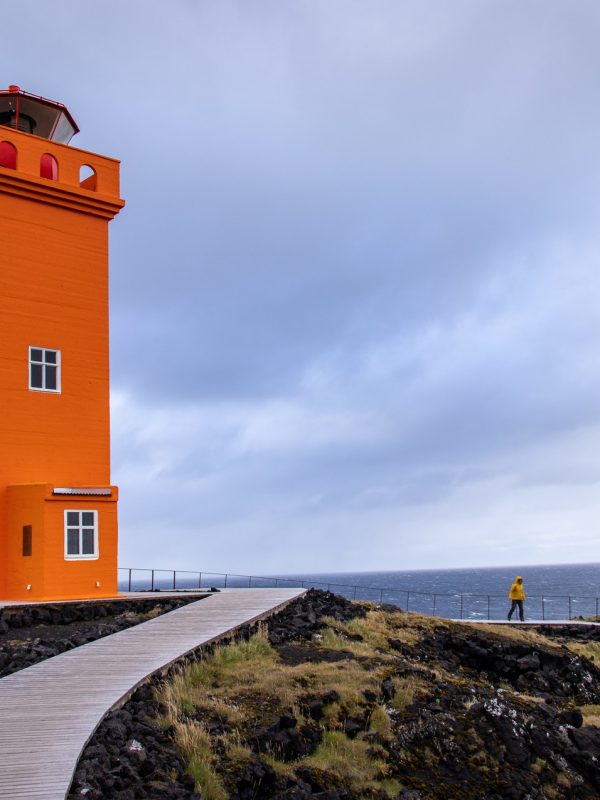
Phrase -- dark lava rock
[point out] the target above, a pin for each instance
(303, 618)
(544, 671)
(32, 634)
(306, 652)
(353, 726)
(572, 717)
(312, 706)
(567, 633)
(249, 780)
(320, 781)
(387, 689)
(285, 740)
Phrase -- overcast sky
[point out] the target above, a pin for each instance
(355, 289)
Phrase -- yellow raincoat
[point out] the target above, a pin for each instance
(517, 592)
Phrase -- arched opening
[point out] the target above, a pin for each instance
(8, 155)
(48, 167)
(87, 177)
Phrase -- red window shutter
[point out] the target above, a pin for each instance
(48, 167)
(8, 155)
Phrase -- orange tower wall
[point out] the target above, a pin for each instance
(54, 294)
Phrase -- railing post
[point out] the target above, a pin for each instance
(354, 598)
(434, 604)
(569, 606)
(129, 584)
(543, 608)
(596, 609)
(152, 589)
(174, 579)
(488, 597)
(225, 581)
(276, 581)
(381, 596)
(199, 580)
(461, 606)
(249, 581)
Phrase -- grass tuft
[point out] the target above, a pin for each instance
(195, 744)
(406, 690)
(380, 722)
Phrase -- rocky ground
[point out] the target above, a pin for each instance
(342, 701)
(29, 634)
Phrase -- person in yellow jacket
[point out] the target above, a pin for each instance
(517, 596)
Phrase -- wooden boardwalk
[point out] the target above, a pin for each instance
(49, 711)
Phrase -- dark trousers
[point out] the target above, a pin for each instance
(517, 604)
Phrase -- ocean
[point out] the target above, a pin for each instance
(557, 591)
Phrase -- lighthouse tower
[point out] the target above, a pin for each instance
(58, 509)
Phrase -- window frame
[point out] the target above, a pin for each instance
(80, 527)
(45, 364)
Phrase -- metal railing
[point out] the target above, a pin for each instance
(438, 604)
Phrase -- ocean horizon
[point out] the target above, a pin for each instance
(578, 578)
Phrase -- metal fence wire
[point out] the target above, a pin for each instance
(438, 604)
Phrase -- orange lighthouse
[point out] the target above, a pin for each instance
(58, 509)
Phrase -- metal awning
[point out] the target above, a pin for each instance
(82, 490)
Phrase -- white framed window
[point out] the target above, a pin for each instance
(44, 370)
(81, 534)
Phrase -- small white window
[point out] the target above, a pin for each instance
(44, 369)
(81, 534)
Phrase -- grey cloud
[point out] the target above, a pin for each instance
(358, 259)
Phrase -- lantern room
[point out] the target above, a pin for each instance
(31, 114)
(58, 508)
